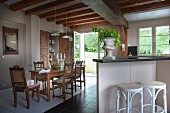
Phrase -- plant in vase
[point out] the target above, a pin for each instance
(111, 39)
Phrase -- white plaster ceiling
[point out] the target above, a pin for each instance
(146, 15)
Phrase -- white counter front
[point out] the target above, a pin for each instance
(111, 74)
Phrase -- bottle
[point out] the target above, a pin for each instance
(130, 54)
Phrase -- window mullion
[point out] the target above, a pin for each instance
(153, 41)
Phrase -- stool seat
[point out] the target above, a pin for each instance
(153, 84)
(132, 87)
(129, 90)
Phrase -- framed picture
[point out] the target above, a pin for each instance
(10, 40)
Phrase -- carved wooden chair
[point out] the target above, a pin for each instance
(19, 84)
(78, 72)
(65, 80)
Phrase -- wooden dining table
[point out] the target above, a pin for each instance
(48, 76)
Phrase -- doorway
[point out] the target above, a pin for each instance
(87, 48)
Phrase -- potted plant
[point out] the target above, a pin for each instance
(111, 39)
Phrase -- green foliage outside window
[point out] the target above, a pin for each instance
(91, 43)
(161, 40)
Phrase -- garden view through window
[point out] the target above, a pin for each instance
(154, 40)
(92, 49)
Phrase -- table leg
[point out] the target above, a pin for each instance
(48, 88)
(84, 76)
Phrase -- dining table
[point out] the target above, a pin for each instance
(51, 74)
(48, 76)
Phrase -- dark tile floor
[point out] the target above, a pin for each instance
(85, 102)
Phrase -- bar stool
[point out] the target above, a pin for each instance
(129, 90)
(154, 87)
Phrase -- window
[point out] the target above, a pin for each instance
(154, 40)
(145, 40)
(162, 40)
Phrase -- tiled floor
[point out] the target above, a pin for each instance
(6, 100)
(85, 102)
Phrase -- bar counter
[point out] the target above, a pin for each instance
(129, 70)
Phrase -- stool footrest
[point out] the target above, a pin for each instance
(161, 110)
(130, 109)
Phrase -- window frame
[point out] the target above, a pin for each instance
(153, 28)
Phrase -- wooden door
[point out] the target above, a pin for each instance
(44, 47)
(65, 46)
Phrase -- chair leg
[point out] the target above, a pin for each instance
(72, 89)
(63, 90)
(75, 85)
(38, 94)
(28, 99)
(33, 92)
(15, 98)
(53, 91)
(80, 81)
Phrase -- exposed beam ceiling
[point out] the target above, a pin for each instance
(23, 4)
(144, 7)
(76, 19)
(2, 1)
(108, 10)
(69, 9)
(71, 15)
(86, 22)
(90, 24)
(51, 5)
(83, 12)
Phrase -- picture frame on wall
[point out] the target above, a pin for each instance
(10, 40)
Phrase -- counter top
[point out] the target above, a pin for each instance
(132, 59)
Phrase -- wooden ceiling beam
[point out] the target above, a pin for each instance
(146, 7)
(2, 1)
(48, 6)
(132, 3)
(71, 15)
(86, 21)
(108, 10)
(23, 4)
(90, 24)
(69, 9)
(86, 17)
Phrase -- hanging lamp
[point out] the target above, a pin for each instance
(56, 33)
(66, 36)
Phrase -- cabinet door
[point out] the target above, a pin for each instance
(44, 47)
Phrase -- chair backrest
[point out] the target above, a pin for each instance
(38, 65)
(68, 69)
(78, 67)
(18, 78)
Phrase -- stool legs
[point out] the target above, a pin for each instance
(141, 102)
(128, 100)
(117, 101)
(165, 100)
(154, 87)
(128, 103)
(153, 101)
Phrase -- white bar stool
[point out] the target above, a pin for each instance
(129, 90)
(154, 87)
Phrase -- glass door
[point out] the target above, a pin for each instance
(76, 46)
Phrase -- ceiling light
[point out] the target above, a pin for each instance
(66, 36)
(56, 33)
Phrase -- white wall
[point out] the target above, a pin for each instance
(29, 41)
(133, 28)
